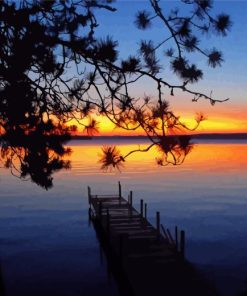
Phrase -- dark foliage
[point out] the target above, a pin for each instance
(215, 58)
(143, 19)
(222, 24)
(37, 154)
(42, 40)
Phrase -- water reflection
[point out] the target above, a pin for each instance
(206, 196)
(49, 230)
(169, 150)
(37, 155)
(214, 157)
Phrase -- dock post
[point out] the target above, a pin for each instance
(119, 190)
(141, 207)
(158, 224)
(182, 243)
(145, 211)
(176, 237)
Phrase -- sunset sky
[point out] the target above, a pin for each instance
(228, 81)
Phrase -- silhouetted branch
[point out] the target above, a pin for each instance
(54, 69)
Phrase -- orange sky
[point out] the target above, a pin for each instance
(225, 117)
(224, 122)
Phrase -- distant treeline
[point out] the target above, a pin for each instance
(236, 136)
(231, 136)
(81, 138)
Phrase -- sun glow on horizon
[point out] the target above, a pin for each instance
(213, 124)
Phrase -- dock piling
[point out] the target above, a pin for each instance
(119, 190)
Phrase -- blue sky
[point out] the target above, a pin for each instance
(230, 80)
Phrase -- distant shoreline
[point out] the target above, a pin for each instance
(210, 136)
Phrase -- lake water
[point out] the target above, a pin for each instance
(48, 247)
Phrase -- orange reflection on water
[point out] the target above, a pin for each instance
(218, 156)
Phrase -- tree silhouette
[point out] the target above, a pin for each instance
(38, 154)
(42, 40)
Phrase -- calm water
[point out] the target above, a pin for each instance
(47, 246)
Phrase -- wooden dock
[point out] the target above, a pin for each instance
(151, 260)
